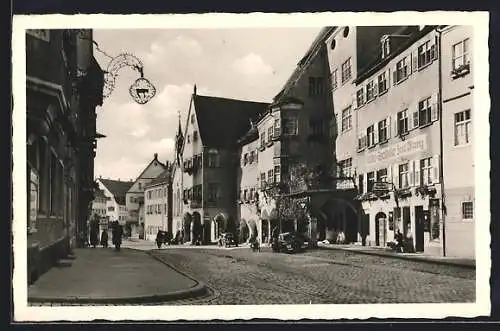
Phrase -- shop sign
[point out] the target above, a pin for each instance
(400, 149)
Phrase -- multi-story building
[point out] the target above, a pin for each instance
(63, 87)
(99, 209)
(115, 192)
(350, 51)
(398, 140)
(248, 186)
(204, 190)
(158, 205)
(135, 196)
(458, 151)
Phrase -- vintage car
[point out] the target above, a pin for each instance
(288, 242)
(227, 240)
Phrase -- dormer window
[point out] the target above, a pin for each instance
(386, 47)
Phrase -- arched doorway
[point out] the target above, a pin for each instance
(197, 229)
(186, 227)
(380, 229)
(338, 215)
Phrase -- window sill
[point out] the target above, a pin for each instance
(361, 149)
(383, 142)
(425, 125)
(401, 80)
(372, 146)
(422, 67)
(462, 145)
(383, 92)
(467, 220)
(368, 101)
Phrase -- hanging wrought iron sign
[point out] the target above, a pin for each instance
(142, 90)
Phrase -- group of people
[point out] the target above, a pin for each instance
(116, 234)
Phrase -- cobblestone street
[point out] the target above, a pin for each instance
(238, 276)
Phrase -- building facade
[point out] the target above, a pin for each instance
(458, 149)
(398, 136)
(248, 186)
(158, 206)
(115, 191)
(135, 196)
(99, 209)
(64, 86)
(204, 187)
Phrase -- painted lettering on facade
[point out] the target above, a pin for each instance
(403, 148)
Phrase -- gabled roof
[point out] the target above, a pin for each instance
(223, 121)
(303, 64)
(251, 135)
(117, 188)
(155, 159)
(162, 178)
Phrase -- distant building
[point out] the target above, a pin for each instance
(99, 208)
(135, 195)
(115, 192)
(458, 149)
(64, 84)
(158, 205)
(204, 187)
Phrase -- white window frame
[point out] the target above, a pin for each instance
(402, 71)
(426, 172)
(382, 82)
(346, 71)
(464, 218)
(425, 54)
(346, 124)
(403, 173)
(360, 97)
(464, 123)
(370, 91)
(425, 110)
(334, 78)
(370, 136)
(403, 119)
(382, 127)
(460, 54)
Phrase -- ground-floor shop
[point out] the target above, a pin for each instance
(416, 216)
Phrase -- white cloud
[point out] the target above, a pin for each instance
(252, 64)
(170, 50)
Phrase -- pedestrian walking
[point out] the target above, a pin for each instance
(117, 235)
(104, 238)
(94, 232)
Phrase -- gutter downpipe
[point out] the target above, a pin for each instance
(440, 111)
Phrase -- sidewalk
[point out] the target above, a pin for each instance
(104, 276)
(370, 250)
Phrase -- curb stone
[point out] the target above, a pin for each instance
(200, 289)
(402, 257)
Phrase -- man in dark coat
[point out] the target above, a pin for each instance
(117, 235)
(94, 232)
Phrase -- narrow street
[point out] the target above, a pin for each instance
(238, 276)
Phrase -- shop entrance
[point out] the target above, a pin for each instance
(419, 228)
(381, 229)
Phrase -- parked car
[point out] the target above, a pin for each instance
(288, 242)
(227, 240)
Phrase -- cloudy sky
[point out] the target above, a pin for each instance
(248, 64)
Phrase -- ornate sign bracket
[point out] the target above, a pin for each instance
(141, 90)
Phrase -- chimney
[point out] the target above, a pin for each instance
(156, 156)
